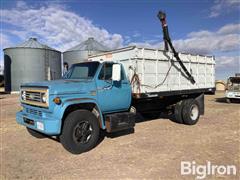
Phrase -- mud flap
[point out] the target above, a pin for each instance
(200, 100)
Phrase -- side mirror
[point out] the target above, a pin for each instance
(116, 72)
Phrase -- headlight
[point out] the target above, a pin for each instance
(44, 97)
(23, 95)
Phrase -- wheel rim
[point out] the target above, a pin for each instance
(194, 112)
(82, 132)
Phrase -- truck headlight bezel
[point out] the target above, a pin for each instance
(35, 96)
(23, 95)
(44, 97)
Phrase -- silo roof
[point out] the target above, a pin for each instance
(89, 45)
(32, 43)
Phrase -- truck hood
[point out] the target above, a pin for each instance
(64, 86)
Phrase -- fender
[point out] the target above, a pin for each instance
(60, 109)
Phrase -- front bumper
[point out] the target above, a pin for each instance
(234, 95)
(46, 125)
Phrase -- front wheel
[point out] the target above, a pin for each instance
(80, 131)
(190, 112)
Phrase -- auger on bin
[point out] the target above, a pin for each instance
(168, 43)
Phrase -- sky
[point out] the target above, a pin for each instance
(206, 27)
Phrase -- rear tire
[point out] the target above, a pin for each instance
(80, 131)
(190, 112)
(35, 134)
(178, 112)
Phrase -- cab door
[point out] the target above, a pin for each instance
(112, 95)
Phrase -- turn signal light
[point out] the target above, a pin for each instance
(57, 100)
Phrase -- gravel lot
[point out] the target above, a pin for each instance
(153, 151)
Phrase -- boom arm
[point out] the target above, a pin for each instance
(168, 42)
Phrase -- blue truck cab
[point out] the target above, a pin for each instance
(89, 90)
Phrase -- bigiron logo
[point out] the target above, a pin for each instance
(208, 169)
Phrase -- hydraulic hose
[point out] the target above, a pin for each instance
(167, 42)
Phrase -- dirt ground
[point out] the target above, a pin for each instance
(153, 151)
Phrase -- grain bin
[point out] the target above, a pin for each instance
(220, 85)
(30, 62)
(81, 52)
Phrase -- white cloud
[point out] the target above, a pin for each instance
(23, 35)
(230, 28)
(228, 61)
(222, 41)
(127, 39)
(225, 39)
(136, 34)
(198, 34)
(5, 40)
(209, 44)
(56, 26)
(21, 4)
(227, 66)
(60, 28)
(147, 44)
(223, 6)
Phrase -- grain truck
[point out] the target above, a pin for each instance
(109, 90)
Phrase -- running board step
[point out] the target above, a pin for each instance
(120, 121)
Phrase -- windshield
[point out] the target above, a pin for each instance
(85, 70)
(234, 86)
(234, 83)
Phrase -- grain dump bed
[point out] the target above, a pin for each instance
(153, 70)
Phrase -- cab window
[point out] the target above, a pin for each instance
(106, 72)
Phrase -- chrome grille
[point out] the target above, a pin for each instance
(33, 96)
(34, 112)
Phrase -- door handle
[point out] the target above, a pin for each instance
(105, 87)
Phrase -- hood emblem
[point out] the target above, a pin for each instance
(31, 96)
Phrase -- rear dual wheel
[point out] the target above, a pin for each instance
(187, 112)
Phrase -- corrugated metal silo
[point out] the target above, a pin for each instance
(30, 62)
(220, 85)
(81, 52)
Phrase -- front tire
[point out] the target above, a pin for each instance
(190, 112)
(80, 131)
